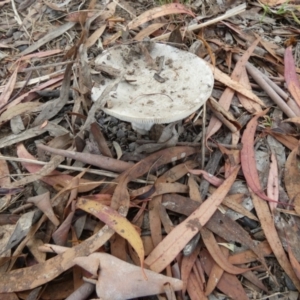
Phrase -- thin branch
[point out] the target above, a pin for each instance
(92, 171)
(230, 13)
(18, 19)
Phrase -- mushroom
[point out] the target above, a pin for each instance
(154, 83)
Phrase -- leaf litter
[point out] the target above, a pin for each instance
(201, 208)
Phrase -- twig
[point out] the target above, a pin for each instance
(47, 66)
(212, 166)
(203, 146)
(123, 7)
(20, 90)
(36, 80)
(211, 145)
(230, 13)
(267, 88)
(92, 159)
(92, 171)
(18, 19)
(224, 116)
(264, 84)
(56, 32)
(289, 101)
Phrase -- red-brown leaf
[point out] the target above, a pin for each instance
(248, 158)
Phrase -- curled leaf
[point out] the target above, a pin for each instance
(119, 280)
(116, 222)
(175, 241)
(172, 8)
(248, 158)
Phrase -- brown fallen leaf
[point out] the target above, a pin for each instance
(4, 97)
(156, 12)
(270, 47)
(39, 87)
(100, 140)
(8, 219)
(151, 191)
(223, 115)
(267, 224)
(216, 253)
(9, 296)
(31, 277)
(252, 277)
(175, 241)
(4, 2)
(43, 172)
(56, 179)
(215, 274)
(295, 120)
(33, 245)
(17, 110)
(287, 140)
(231, 202)
(93, 38)
(187, 266)
(249, 105)
(236, 86)
(248, 255)
(118, 280)
(248, 158)
(154, 206)
(60, 236)
(43, 202)
(230, 231)
(40, 54)
(292, 178)
(194, 192)
(228, 283)
(59, 30)
(290, 74)
(194, 288)
(295, 264)
(115, 221)
(288, 234)
(52, 107)
(225, 100)
(148, 31)
(5, 181)
(119, 246)
(208, 177)
(55, 290)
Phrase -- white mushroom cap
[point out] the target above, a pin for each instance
(145, 97)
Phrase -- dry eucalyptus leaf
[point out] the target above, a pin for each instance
(43, 202)
(119, 280)
(22, 228)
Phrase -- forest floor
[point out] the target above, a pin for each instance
(201, 205)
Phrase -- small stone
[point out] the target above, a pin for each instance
(114, 121)
(132, 146)
(17, 35)
(120, 133)
(277, 39)
(113, 129)
(22, 47)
